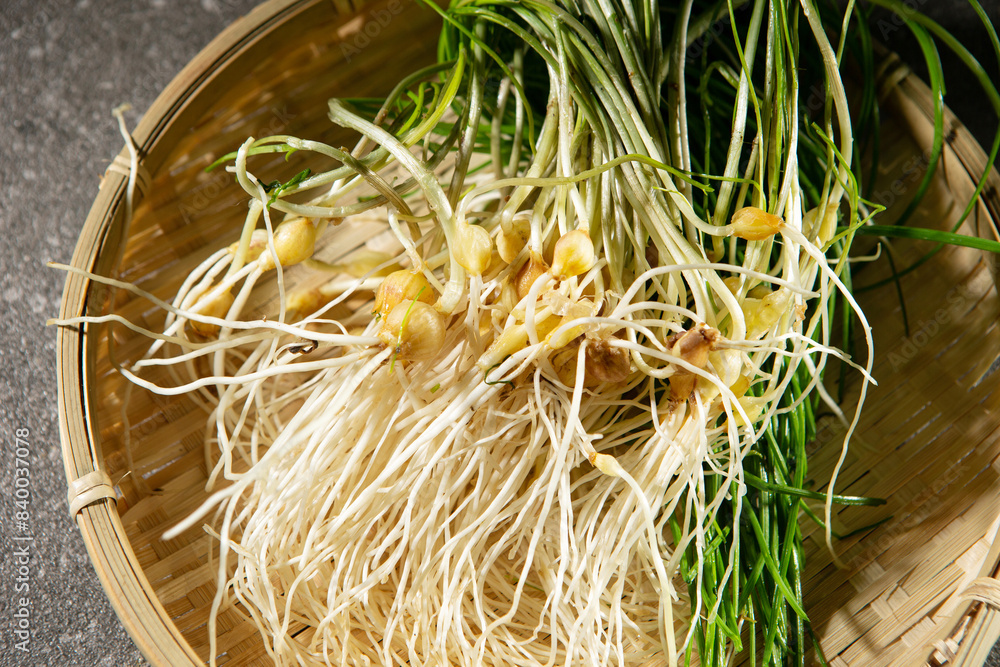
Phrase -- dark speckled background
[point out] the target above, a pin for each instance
(63, 66)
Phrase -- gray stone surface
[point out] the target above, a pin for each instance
(63, 66)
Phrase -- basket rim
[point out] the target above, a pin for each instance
(111, 553)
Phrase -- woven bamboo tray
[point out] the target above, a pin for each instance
(912, 590)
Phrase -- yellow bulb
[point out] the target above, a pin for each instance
(215, 307)
(405, 285)
(363, 263)
(573, 255)
(415, 329)
(607, 464)
(294, 241)
(823, 228)
(532, 270)
(257, 245)
(302, 303)
(753, 224)
(474, 248)
(764, 312)
(511, 340)
(693, 347)
(510, 242)
(606, 363)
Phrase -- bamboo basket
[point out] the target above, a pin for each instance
(919, 589)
